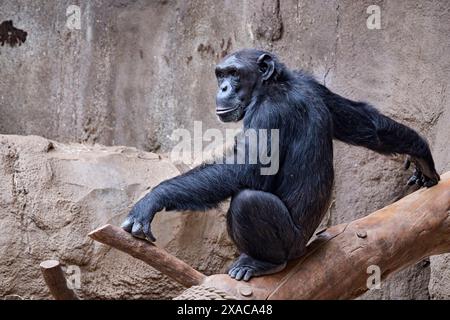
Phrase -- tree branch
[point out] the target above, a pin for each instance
(158, 258)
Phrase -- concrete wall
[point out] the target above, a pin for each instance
(137, 70)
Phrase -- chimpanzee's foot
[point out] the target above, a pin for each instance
(246, 267)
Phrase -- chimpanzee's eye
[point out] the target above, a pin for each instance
(233, 73)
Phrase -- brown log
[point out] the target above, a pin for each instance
(55, 280)
(335, 265)
(143, 250)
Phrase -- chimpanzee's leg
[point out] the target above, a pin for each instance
(261, 227)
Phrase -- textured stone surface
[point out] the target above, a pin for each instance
(53, 194)
(137, 70)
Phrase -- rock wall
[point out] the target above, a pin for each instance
(137, 70)
(54, 194)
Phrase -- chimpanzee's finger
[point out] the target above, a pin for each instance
(240, 274)
(430, 182)
(137, 230)
(407, 163)
(127, 225)
(248, 274)
(148, 232)
(420, 181)
(412, 180)
(232, 273)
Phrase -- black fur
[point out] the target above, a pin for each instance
(271, 218)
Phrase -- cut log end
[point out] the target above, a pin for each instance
(56, 281)
(93, 234)
(49, 264)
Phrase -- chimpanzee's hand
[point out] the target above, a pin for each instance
(140, 218)
(423, 174)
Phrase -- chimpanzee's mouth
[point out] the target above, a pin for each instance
(225, 111)
(230, 114)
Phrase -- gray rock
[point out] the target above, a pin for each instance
(54, 194)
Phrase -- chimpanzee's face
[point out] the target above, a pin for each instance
(236, 82)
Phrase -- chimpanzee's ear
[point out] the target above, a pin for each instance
(266, 66)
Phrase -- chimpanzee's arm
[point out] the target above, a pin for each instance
(198, 189)
(201, 188)
(360, 124)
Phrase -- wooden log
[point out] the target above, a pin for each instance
(143, 250)
(336, 263)
(55, 280)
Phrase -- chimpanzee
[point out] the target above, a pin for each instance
(272, 217)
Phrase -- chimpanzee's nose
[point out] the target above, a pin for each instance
(224, 87)
(224, 93)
